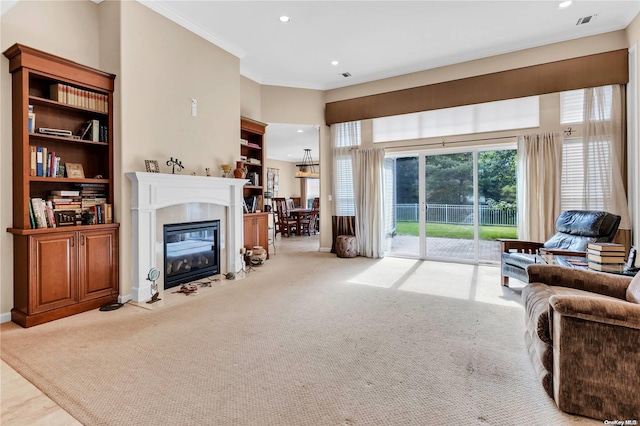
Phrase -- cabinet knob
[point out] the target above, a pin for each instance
(73, 241)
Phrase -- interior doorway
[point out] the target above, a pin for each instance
(289, 149)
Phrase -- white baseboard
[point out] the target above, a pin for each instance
(325, 249)
(6, 317)
(124, 298)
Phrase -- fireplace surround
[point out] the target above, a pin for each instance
(152, 192)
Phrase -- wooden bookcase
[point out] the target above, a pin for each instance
(253, 148)
(63, 270)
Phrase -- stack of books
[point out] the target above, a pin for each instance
(606, 257)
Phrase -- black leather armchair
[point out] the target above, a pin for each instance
(575, 229)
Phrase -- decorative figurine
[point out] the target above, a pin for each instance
(207, 171)
(175, 163)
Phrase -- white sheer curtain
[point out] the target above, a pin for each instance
(539, 172)
(603, 150)
(345, 137)
(368, 186)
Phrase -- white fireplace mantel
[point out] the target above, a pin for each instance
(153, 191)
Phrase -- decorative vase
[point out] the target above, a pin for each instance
(241, 171)
(226, 169)
(259, 255)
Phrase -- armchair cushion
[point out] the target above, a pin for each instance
(576, 228)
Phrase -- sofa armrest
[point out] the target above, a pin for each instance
(614, 312)
(596, 356)
(507, 245)
(581, 279)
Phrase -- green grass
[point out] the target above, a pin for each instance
(444, 230)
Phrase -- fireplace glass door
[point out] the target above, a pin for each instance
(191, 251)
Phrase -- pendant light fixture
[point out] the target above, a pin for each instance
(307, 169)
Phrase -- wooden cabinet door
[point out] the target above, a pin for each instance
(52, 271)
(262, 231)
(256, 231)
(249, 232)
(98, 263)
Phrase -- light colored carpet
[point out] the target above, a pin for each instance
(306, 339)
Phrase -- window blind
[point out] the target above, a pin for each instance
(346, 136)
(486, 117)
(572, 106)
(573, 194)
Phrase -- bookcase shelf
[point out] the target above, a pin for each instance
(255, 223)
(68, 263)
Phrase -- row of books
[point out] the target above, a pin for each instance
(85, 206)
(44, 162)
(606, 257)
(70, 95)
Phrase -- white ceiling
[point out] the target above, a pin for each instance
(286, 142)
(376, 39)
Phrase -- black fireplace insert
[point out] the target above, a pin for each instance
(191, 251)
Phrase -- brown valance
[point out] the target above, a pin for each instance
(578, 73)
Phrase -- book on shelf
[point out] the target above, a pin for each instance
(31, 120)
(95, 130)
(39, 212)
(33, 161)
(32, 218)
(39, 161)
(50, 219)
(45, 158)
(606, 247)
(66, 192)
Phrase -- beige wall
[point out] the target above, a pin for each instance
(250, 99)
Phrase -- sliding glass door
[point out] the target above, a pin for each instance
(450, 206)
(453, 206)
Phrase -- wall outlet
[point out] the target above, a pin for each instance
(194, 107)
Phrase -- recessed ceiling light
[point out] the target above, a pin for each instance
(334, 63)
(300, 131)
(565, 4)
(284, 19)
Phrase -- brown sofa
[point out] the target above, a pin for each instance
(583, 336)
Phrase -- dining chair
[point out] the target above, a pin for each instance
(284, 225)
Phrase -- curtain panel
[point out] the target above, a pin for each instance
(604, 149)
(539, 166)
(368, 191)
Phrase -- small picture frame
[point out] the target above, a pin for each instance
(74, 170)
(152, 166)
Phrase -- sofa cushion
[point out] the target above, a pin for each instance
(633, 291)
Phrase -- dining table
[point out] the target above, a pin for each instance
(297, 214)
